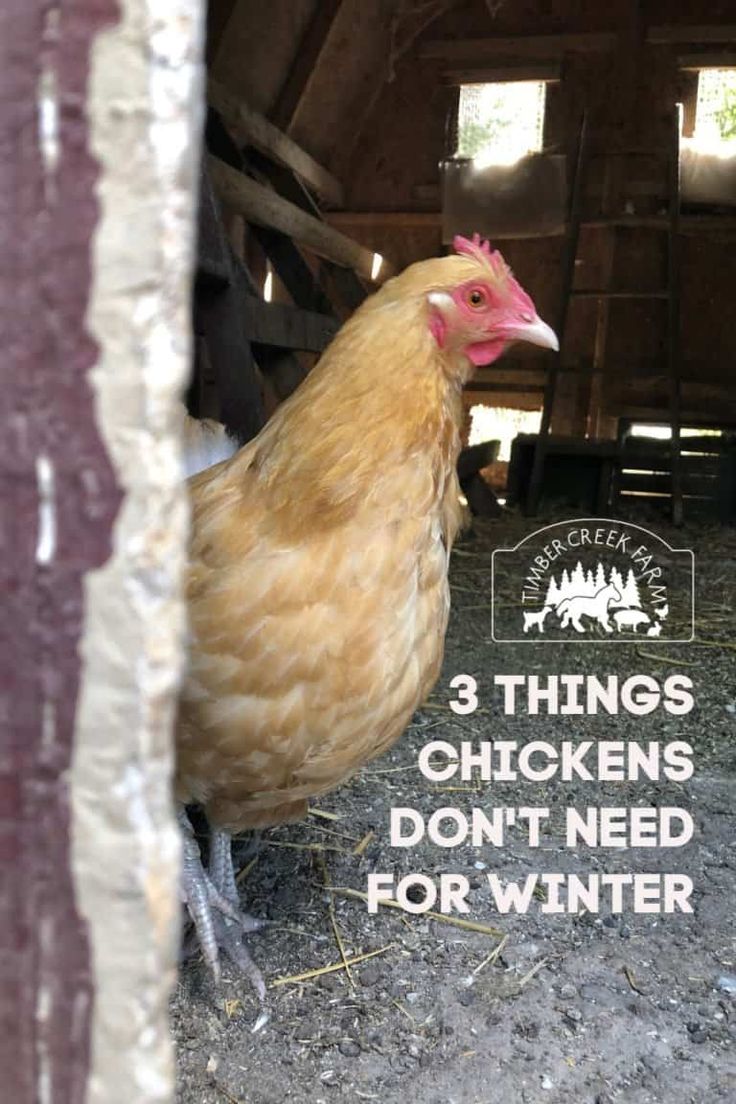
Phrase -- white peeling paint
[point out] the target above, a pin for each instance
(48, 725)
(44, 1003)
(48, 120)
(47, 99)
(144, 108)
(46, 540)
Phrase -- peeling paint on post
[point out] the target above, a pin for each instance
(99, 143)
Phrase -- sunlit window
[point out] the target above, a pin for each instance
(501, 423)
(499, 123)
(664, 433)
(715, 113)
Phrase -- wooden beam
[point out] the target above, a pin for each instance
(683, 32)
(506, 388)
(478, 73)
(691, 224)
(724, 59)
(545, 46)
(611, 204)
(218, 16)
(517, 400)
(414, 219)
(213, 256)
(399, 35)
(264, 207)
(569, 255)
(350, 289)
(304, 66)
(249, 128)
(674, 329)
(287, 327)
(305, 286)
(603, 293)
(293, 271)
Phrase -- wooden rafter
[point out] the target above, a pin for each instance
(480, 73)
(218, 17)
(305, 64)
(287, 327)
(264, 207)
(543, 46)
(407, 23)
(249, 128)
(685, 32)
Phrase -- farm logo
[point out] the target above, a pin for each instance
(593, 580)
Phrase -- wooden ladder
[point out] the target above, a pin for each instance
(604, 296)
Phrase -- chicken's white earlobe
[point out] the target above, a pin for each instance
(439, 302)
(440, 299)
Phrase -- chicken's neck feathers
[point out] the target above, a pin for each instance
(376, 424)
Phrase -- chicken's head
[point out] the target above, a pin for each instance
(487, 311)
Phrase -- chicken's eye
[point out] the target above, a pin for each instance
(476, 298)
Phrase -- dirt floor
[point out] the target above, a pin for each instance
(581, 1009)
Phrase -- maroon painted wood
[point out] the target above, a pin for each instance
(46, 225)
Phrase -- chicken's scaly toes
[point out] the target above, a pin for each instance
(224, 906)
(230, 941)
(212, 901)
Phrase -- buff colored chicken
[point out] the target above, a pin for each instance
(317, 584)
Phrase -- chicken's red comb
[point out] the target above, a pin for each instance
(480, 250)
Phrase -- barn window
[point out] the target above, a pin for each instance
(500, 423)
(715, 113)
(664, 432)
(499, 123)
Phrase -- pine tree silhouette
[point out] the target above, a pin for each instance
(630, 593)
(600, 577)
(553, 593)
(578, 579)
(616, 579)
(565, 587)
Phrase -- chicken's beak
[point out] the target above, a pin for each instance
(536, 332)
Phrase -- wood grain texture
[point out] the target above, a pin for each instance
(60, 500)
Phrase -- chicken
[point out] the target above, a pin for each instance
(317, 582)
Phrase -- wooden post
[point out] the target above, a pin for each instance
(673, 313)
(94, 303)
(569, 253)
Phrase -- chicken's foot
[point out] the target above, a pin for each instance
(212, 900)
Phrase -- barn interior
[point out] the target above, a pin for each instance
(335, 143)
(593, 144)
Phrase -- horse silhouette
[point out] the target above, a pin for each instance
(583, 605)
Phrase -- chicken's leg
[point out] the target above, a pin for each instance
(220, 867)
(212, 900)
